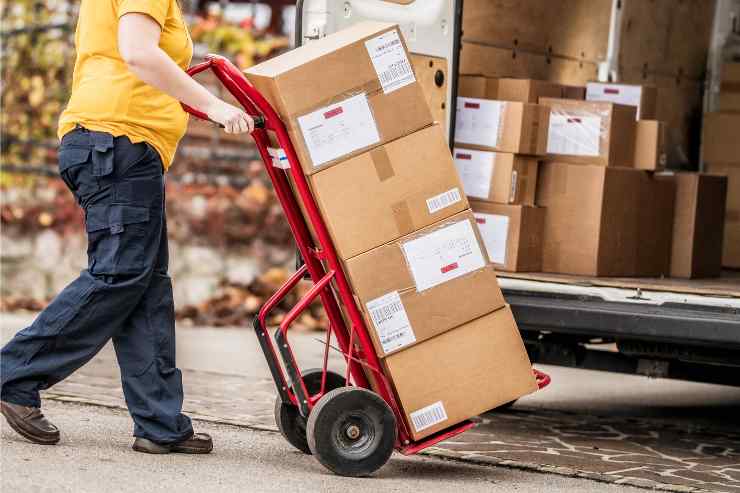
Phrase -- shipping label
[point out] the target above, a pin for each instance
(391, 322)
(445, 199)
(574, 135)
(615, 93)
(390, 61)
(444, 254)
(429, 416)
(476, 169)
(339, 129)
(279, 158)
(494, 229)
(478, 121)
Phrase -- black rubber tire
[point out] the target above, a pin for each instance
(359, 410)
(287, 417)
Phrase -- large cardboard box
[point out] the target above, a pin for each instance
(424, 283)
(462, 373)
(344, 93)
(574, 92)
(527, 90)
(720, 142)
(650, 145)
(388, 192)
(477, 86)
(605, 221)
(644, 98)
(497, 176)
(590, 132)
(729, 96)
(489, 125)
(512, 235)
(731, 242)
(698, 224)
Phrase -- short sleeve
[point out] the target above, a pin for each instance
(156, 9)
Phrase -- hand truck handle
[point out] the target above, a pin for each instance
(259, 120)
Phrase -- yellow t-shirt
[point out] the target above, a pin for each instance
(106, 96)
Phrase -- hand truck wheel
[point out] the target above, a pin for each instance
(352, 431)
(287, 417)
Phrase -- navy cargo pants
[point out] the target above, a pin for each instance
(125, 293)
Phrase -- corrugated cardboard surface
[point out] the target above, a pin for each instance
(446, 306)
(330, 70)
(731, 243)
(527, 90)
(605, 221)
(616, 135)
(698, 224)
(470, 370)
(647, 96)
(729, 96)
(477, 86)
(524, 238)
(513, 180)
(650, 150)
(720, 142)
(382, 194)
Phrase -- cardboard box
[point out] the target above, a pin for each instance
(512, 235)
(477, 86)
(731, 242)
(345, 93)
(489, 125)
(574, 92)
(425, 283)
(497, 176)
(720, 142)
(644, 98)
(650, 145)
(462, 373)
(527, 90)
(388, 192)
(605, 221)
(698, 224)
(590, 132)
(729, 96)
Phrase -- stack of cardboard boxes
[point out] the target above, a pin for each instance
(721, 155)
(383, 178)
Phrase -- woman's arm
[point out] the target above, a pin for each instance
(138, 45)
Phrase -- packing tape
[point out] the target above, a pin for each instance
(402, 216)
(383, 166)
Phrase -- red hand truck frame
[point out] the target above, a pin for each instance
(353, 341)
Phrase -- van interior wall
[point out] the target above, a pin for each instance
(662, 43)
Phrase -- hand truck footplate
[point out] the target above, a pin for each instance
(343, 419)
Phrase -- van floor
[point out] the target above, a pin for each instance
(728, 284)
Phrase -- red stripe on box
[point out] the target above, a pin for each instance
(472, 106)
(611, 90)
(574, 120)
(480, 220)
(463, 156)
(332, 113)
(448, 268)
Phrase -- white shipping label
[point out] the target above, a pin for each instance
(390, 61)
(279, 159)
(444, 254)
(476, 170)
(391, 322)
(445, 199)
(478, 121)
(494, 229)
(339, 129)
(574, 135)
(429, 416)
(615, 93)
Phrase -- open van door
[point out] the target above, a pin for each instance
(432, 29)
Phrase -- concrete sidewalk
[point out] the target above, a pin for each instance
(671, 435)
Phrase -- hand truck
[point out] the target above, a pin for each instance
(350, 429)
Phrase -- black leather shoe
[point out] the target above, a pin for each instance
(30, 423)
(198, 443)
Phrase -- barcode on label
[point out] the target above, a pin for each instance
(395, 72)
(390, 62)
(429, 416)
(384, 313)
(391, 322)
(446, 199)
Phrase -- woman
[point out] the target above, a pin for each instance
(118, 136)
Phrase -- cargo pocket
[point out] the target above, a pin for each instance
(71, 158)
(117, 239)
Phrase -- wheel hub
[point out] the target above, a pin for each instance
(352, 432)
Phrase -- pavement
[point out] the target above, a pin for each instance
(589, 431)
